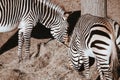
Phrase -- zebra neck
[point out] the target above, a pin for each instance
(48, 12)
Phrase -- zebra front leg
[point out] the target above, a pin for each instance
(27, 36)
(20, 45)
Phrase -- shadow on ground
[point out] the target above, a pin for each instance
(39, 32)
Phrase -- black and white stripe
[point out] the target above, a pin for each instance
(24, 14)
(99, 38)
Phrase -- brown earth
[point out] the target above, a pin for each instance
(51, 63)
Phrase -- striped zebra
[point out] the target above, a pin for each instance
(99, 38)
(24, 14)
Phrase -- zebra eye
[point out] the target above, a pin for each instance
(64, 18)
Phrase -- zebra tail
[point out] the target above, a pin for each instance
(115, 63)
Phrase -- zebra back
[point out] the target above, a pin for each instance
(87, 23)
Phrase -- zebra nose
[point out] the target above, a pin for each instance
(66, 43)
(66, 40)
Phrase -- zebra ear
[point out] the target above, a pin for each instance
(66, 14)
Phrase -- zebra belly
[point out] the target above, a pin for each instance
(8, 28)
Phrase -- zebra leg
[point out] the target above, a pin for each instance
(27, 35)
(104, 69)
(20, 44)
(86, 66)
(107, 72)
(99, 70)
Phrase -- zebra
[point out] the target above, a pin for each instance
(24, 14)
(96, 37)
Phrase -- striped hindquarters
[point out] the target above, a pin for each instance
(94, 36)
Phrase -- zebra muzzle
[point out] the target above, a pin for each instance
(66, 41)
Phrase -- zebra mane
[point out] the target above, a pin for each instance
(56, 8)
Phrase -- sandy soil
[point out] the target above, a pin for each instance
(51, 63)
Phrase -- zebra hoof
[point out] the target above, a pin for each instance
(20, 59)
(27, 57)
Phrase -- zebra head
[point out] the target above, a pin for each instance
(59, 29)
(53, 17)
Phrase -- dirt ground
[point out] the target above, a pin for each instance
(51, 63)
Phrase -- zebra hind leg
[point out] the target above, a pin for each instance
(108, 73)
(99, 70)
(104, 70)
(20, 45)
(27, 35)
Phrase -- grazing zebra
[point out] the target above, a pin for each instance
(24, 14)
(99, 38)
